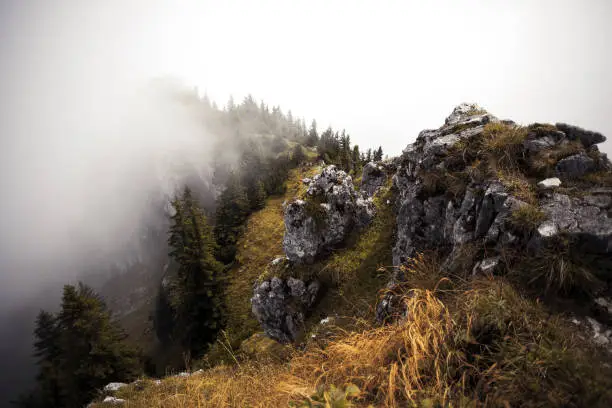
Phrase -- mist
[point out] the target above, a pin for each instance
(88, 151)
(90, 143)
(79, 172)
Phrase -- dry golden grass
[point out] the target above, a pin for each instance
(391, 364)
(503, 143)
(250, 385)
(519, 186)
(475, 344)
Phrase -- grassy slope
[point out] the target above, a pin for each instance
(260, 243)
(465, 342)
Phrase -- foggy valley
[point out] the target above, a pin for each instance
(109, 109)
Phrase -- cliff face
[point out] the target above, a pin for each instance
(488, 196)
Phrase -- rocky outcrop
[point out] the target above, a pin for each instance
(586, 219)
(281, 306)
(586, 137)
(331, 210)
(481, 212)
(374, 176)
(575, 166)
(425, 221)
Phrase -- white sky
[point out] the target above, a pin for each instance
(383, 70)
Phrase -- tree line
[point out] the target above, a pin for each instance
(82, 348)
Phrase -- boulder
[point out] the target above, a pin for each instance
(590, 226)
(575, 166)
(587, 137)
(549, 183)
(113, 400)
(331, 210)
(373, 177)
(114, 386)
(281, 306)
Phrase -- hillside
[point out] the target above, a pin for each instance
(471, 271)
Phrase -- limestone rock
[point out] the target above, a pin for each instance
(281, 306)
(590, 225)
(113, 400)
(114, 386)
(330, 212)
(587, 137)
(575, 166)
(549, 183)
(374, 176)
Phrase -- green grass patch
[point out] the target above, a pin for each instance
(527, 218)
(258, 245)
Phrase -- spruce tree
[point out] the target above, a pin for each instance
(356, 159)
(80, 350)
(313, 136)
(195, 293)
(48, 353)
(232, 211)
(298, 155)
(378, 154)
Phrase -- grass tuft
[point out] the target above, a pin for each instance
(527, 218)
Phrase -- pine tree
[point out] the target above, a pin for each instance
(378, 155)
(313, 136)
(298, 156)
(48, 353)
(368, 157)
(195, 293)
(232, 211)
(356, 159)
(257, 197)
(79, 350)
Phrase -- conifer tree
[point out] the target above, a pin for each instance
(257, 197)
(232, 210)
(80, 350)
(195, 293)
(313, 136)
(378, 154)
(298, 155)
(356, 159)
(48, 353)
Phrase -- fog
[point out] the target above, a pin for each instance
(86, 143)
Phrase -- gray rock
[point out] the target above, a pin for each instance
(278, 260)
(590, 225)
(587, 137)
(374, 176)
(280, 306)
(333, 210)
(113, 400)
(575, 166)
(549, 183)
(540, 138)
(487, 266)
(114, 386)
(601, 201)
(468, 113)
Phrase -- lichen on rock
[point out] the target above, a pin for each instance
(329, 212)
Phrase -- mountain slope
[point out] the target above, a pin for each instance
(481, 280)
